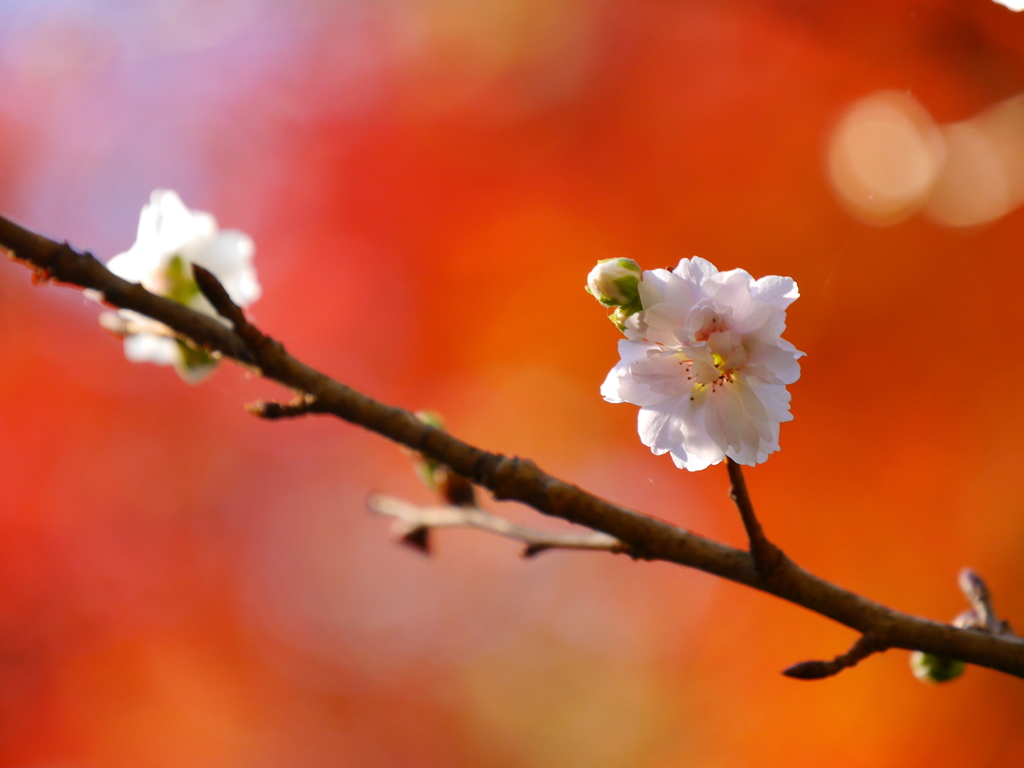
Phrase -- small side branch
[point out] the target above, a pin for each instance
(766, 555)
(412, 524)
(818, 670)
(271, 410)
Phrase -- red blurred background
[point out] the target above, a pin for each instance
(428, 183)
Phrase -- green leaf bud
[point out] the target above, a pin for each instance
(935, 669)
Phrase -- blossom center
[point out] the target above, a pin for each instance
(709, 375)
(716, 359)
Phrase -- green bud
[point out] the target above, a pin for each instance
(935, 669)
(429, 471)
(621, 313)
(180, 285)
(615, 282)
(430, 418)
(194, 364)
(451, 488)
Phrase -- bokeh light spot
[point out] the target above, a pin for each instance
(884, 156)
(974, 186)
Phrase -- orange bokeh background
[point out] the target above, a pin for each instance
(428, 183)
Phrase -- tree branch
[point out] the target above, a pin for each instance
(513, 478)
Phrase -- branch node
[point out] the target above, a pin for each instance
(271, 410)
(40, 275)
(767, 557)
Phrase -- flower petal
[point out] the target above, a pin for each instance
(620, 386)
(695, 270)
(775, 290)
(150, 348)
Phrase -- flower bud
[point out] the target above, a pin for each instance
(453, 489)
(427, 469)
(935, 669)
(615, 282)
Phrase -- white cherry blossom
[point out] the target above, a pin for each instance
(171, 238)
(706, 363)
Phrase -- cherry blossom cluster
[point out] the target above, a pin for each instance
(704, 358)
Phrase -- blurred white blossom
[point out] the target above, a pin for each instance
(706, 363)
(170, 240)
(1013, 5)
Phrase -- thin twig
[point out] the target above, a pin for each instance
(412, 519)
(519, 479)
(865, 646)
(767, 556)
